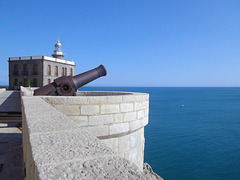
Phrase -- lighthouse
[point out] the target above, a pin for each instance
(57, 53)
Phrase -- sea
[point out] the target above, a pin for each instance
(193, 132)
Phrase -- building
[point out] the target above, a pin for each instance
(37, 71)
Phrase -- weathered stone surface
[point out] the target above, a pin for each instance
(130, 116)
(147, 170)
(98, 131)
(134, 125)
(68, 109)
(140, 114)
(81, 120)
(109, 108)
(126, 107)
(98, 168)
(55, 147)
(119, 128)
(118, 117)
(101, 120)
(123, 144)
(89, 109)
(60, 147)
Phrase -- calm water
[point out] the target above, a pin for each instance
(198, 141)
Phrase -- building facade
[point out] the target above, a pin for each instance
(37, 71)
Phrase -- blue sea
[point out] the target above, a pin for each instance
(197, 141)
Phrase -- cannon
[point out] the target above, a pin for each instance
(68, 85)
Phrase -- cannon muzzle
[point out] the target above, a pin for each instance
(68, 85)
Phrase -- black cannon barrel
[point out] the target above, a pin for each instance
(86, 77)
(68, 85)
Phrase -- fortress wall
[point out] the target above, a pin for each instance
(116, 118)
(57, 148)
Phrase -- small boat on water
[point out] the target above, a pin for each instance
(182, 105)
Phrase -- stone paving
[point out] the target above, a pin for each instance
(11, 158)
(10, 101)
(11, 155)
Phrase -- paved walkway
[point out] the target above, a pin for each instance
(10, 102)
(11, 158)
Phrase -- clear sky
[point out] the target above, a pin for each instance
(160, 43)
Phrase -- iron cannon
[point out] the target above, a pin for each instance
(68, 85)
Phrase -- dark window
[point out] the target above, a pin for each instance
(65, 71)
(25, 82)
(25, 72)
(35, 82)
(56, 71)
(35, 69)
(15, 82)
(49, 70)
(71, 72)
(62, 71)
(15, 71)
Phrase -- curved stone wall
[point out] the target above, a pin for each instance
(117, 118)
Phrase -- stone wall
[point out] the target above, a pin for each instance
(116, 118)
(2, 90)
(55, 147)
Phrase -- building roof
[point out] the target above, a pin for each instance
(43, 58)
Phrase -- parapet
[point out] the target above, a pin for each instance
(62, 144)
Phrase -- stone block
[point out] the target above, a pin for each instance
(135, 139)
(145, 104)
(118, 117)
(134, 125)
(132, 155)
(124, 143)
(144, 121)
(77, 100)
(68, 110)
(101, 120)
(140, 114)
(146, 112)
(97, 99)
(81, 120)
(109, 108)
(118, 128)
(126, 107)
(138, 97)
(114, 99)
(130, 116)
(138, 106)
(89, 109)
(98, 131)
(128, 98)
(145, 97)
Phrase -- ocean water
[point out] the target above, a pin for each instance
(200, 141)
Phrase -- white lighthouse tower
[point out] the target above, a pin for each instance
(57, 53)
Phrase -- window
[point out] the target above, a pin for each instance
(15, 71)
(35, 69)
(62, 71)
(34, 82)
(49, 81)
(71, 72)
(56, 71)
(65, 71)
(15, 82)
(49, 70)
(25, 67)
(25, 72)
(25, 80)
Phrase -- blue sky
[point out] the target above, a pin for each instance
(160, 43)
